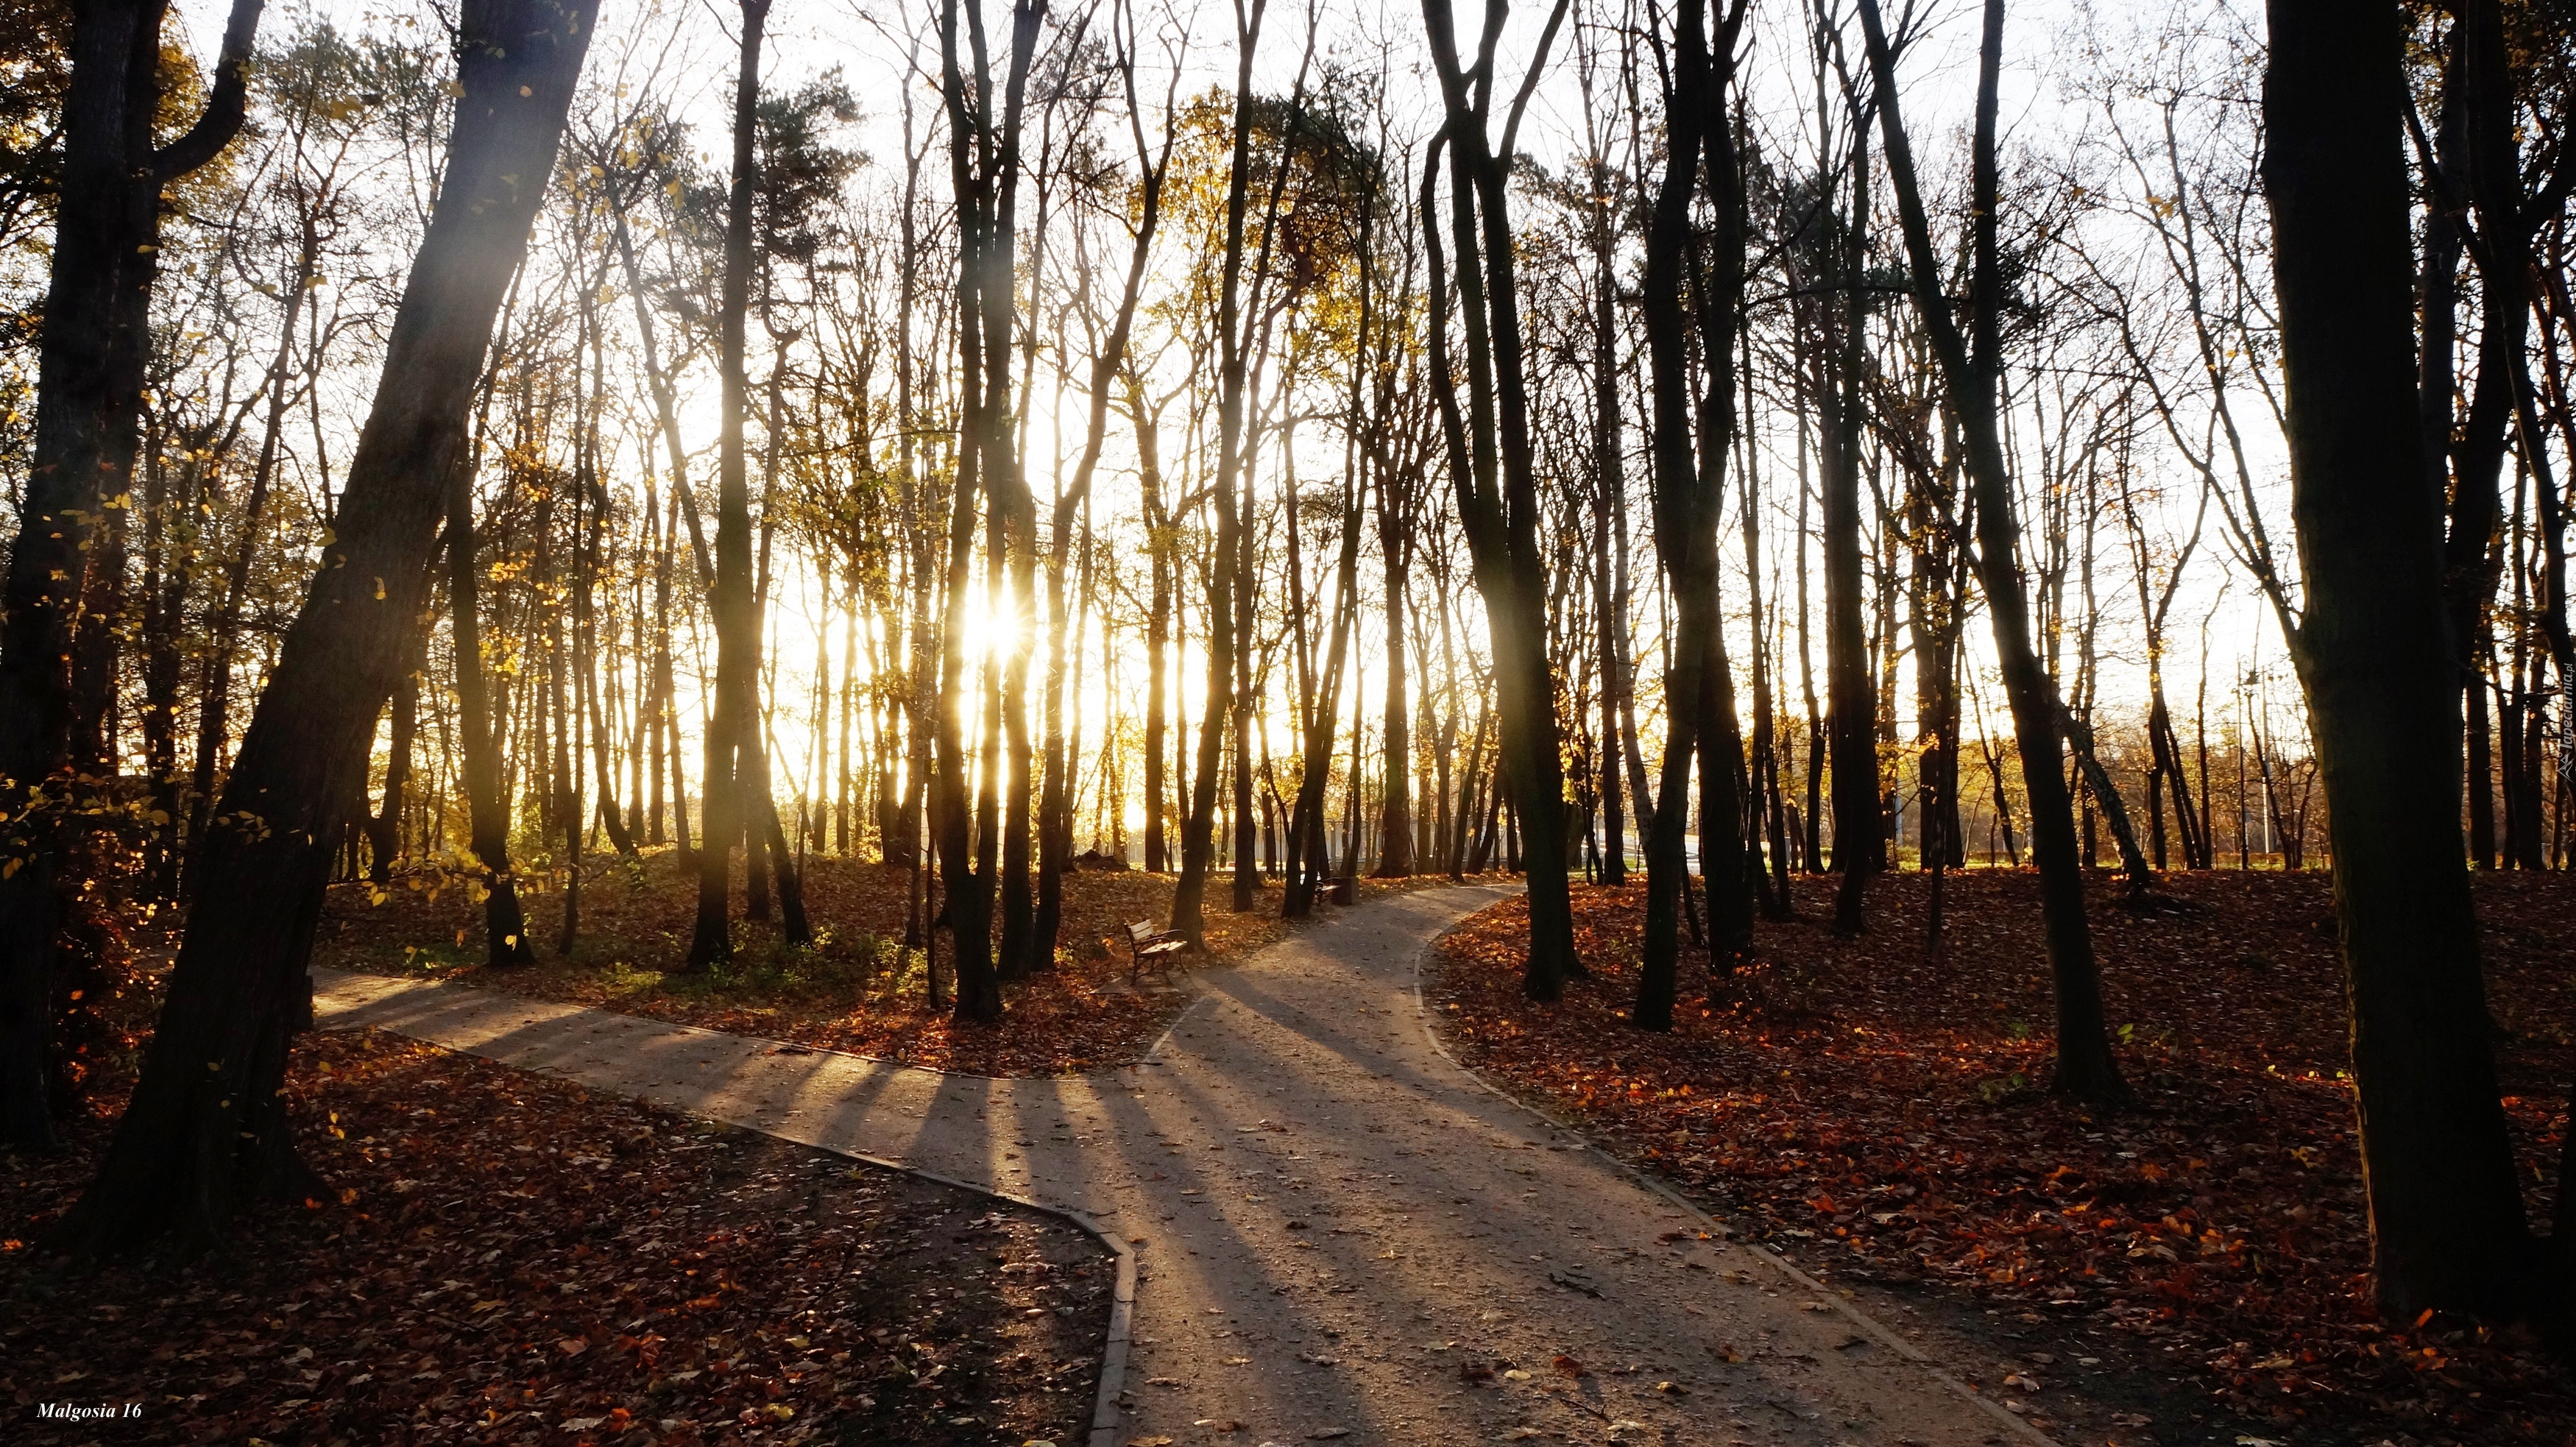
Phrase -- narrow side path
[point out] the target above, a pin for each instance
(1340, 1235)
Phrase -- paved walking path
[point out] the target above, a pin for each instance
(1338, 1232)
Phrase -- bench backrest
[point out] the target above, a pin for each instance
(1141, 929)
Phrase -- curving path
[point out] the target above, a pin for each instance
(1339, 1235)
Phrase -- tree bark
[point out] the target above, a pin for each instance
(2374, 654)
(737, 703)
(2085, 1068)
(1497, 485)
(206, 1131)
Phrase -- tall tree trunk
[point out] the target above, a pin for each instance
(1395, 808)
(92, 347)
(1198, 825)
(487, 812)
(1158, 627)
(1610, 495)
(1777, 901)
(207, 1130)
(2374, 654)
(2085, 1068)
(1851, 694)
(587, 644)
(563, 704)
(384, 829)
(1688, 483)
(1498, 503)
(736, 611)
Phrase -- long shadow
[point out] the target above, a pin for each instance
(1344, 1234)
(1246, 1056)
(1380, 1058)
(1181, 1268)
(675, 1065)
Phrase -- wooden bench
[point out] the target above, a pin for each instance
(1146, 942)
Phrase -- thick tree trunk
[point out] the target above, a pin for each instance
(2374, 654)
(91, 353)
(206, 1132)
(1676, 495)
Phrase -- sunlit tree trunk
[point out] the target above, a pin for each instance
(731, 602)
(1497, 486)
(1198, 825)
(206, 1132)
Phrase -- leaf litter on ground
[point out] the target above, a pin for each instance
(1883, 1115)
(506, 1258)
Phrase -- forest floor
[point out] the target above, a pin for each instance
(508, 1258)
(1337, 1235)
(1880, 1117)
(856, 989)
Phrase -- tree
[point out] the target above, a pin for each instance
(89, 393)
(1689, 485)
(1198, 824)
(207, 1132)
(984, 163)
(2085, 1067)
(1153, 167)
(1492, 463)
(2373, 650)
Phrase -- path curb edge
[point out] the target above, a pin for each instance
(1106, 1413)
